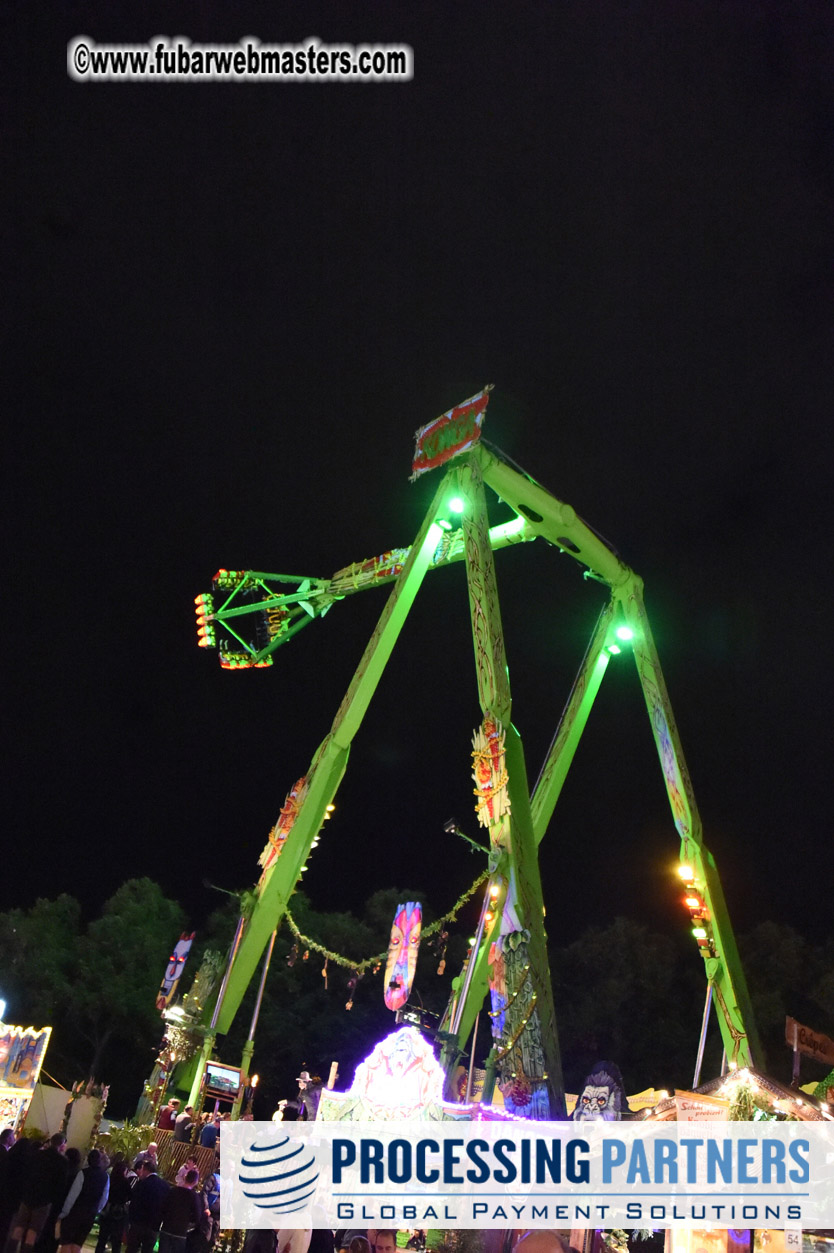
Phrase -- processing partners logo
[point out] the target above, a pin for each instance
(494, 1174)
(279, 1177)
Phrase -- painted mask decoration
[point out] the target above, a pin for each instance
(173, 971)
(402, 953)
(603, 1097)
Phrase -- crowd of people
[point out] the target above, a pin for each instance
(391, 1241)
(188, 1127)
(50, 1198)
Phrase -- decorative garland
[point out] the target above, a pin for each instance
(742, 1101)
(367, 963)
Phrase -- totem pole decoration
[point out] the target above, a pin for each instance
(402, 953)
(173, 971)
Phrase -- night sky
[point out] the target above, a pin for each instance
(228, 308)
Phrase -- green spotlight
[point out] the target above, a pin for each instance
(624, 633)
(457, 504)
(614, 649)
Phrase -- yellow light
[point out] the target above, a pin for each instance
(686, 872)
(330, 808)
(255, 1080)
(494, 890)
(694, 902)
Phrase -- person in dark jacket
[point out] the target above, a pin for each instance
(10, 1174)
(86, 1198)
(145, 1210)
(182, 1211)
(113, 1219)
(184, 1125)
(44, 1185)
(47, 1241)
(210, 1133)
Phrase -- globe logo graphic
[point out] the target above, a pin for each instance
(280, 1176)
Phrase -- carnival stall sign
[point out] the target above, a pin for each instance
(742, 1095)
(22, 1050)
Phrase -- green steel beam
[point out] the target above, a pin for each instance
(550, 518)
(571, 725)
(721, 959)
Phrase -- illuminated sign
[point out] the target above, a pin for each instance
(22, 1052)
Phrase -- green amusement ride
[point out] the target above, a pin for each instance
(248, 615)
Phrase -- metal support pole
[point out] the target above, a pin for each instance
(795, 1067)
(489, 1076)
(205, 1054)
(703, 1039)
(472, 1060)
(249, 1046)
(232, 955)
(208, 1042)
(470, 967)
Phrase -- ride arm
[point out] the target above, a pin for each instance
(279, 879)
(282, 613)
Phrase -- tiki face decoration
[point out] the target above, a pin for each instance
(173, 971)
(402, 953)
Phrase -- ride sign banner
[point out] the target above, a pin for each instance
(453, 432)
(499, 1174)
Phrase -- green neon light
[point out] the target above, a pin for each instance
(624, 633)
(457, 504)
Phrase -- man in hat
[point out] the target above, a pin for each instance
(309, 1094)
